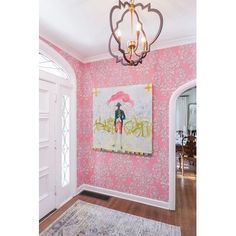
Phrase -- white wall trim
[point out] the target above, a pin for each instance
(126, 196)
(72, 83)
(172, 151)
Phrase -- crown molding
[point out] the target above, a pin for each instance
(161, 45)
(106, 56)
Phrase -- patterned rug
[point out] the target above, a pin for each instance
(85, 219)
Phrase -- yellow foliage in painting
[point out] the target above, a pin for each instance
(139, 128)
(105, 125)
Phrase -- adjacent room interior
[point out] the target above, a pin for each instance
(117, 118)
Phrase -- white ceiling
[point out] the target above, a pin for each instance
(81, 27)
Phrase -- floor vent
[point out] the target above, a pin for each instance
(46, 216)
(95, 195)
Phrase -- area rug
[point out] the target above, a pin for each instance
(85, 219)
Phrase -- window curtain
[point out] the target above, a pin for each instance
(181, 114)
(192, 118)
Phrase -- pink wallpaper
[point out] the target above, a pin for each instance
(166, 69)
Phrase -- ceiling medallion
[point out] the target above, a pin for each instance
(132, 44)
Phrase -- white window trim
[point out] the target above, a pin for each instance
(57, 67)
(44, 48)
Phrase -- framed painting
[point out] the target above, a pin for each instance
(192, 117)
(122, 119)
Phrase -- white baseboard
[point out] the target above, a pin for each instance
(127, 196)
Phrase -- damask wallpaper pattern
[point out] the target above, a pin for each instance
(166, 69)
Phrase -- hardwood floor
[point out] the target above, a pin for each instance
(184, 216)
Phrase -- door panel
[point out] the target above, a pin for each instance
(47, 198)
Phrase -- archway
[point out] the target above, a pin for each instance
(172, 151)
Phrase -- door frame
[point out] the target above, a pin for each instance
(44, 48)
(172, 151)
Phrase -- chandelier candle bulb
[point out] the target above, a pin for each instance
(138, 34)
(118, 33)
(138, 27)
(146, 46)
(144, 43)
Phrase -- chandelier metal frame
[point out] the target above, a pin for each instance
(132, 45)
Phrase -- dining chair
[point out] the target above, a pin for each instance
(180, 133)
(189, 151)
(194, 133)
(178, 143)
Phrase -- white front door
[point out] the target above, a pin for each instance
(47, 152)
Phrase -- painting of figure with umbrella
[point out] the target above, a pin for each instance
(122, 119)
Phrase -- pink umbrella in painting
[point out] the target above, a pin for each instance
(121, 97)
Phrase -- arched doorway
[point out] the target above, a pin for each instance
(57, 141)
(172, 145)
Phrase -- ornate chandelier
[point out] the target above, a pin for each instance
(134, 45)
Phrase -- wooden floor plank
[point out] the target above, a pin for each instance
(184, 216)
